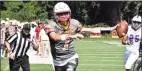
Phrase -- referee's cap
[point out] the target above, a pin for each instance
(27, 27)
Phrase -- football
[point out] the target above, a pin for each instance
(122, 28)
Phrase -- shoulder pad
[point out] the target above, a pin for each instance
(51, 23)
(74, 22)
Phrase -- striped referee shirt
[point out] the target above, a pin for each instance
(19, 44)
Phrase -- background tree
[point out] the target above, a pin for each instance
(87, 12)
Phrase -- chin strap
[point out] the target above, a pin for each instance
(65, 26)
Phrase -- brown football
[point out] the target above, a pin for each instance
(122, 28)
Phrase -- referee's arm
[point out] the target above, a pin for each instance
(10, 40)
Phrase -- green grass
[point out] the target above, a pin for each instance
(4, 63)
(34, 67)
(94, 55)
(41, 67)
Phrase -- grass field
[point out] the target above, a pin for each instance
(94, 55)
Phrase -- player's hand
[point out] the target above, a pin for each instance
(80, 36)
(73, 36)
(77, 36)
(129, 43)
(115, 27)
(11, 55)
(123, 34)
(32, 40)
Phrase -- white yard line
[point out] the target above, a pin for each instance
(87, 41)
(101, 64)
(117, 43)
(98, 48)
(99, 54)
(98, 60)
(103, 52)
(101, 57)
(113, 43)
(96, 70)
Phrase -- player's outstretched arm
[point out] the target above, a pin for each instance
(91, 30)
(97, 30)
(51, 33)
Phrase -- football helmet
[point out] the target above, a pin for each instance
(136, 22)
(62, 13)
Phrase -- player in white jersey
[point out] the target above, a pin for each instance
(132, 41)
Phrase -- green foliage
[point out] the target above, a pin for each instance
(87, 12)
(130, 9)
(107, 35)
(97, 25)
(86, 35)
(27, 11)
(101, 25)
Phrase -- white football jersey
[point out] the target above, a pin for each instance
(134, 37)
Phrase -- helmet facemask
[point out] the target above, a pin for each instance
(136, 22)
(63, 18)
(136, 25)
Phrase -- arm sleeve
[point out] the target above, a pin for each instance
(12, 38)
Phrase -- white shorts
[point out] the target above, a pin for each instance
(130, 58)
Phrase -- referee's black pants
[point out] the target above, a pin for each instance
(15, 64)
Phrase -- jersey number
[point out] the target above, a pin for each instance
(66, 45)
(133, 38)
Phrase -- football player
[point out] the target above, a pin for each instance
(132, 41)
(61, 32)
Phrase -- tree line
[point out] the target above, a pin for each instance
(87, 12)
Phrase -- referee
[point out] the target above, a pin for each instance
(17, 46)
